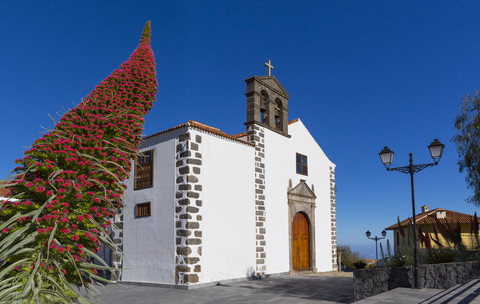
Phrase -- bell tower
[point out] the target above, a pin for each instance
(267, 102)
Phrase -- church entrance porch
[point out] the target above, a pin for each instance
(300, 243)
(301, 218)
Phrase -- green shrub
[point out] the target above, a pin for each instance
(348, 256)
(359, 264)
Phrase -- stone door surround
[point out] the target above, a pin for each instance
(302, 199)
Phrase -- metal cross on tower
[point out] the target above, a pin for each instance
(269, 67)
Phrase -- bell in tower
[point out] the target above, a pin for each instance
(267, 102)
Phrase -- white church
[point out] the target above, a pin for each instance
(206, 207)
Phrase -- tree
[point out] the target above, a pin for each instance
(467, 139)
(68, 187)
(349, 257)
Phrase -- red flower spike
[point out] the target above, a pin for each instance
(64, 171)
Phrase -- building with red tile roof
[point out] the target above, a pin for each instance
(205, 206)
(433, 223)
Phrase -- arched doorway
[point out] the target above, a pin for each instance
(300, 242)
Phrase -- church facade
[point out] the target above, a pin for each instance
(203, 206)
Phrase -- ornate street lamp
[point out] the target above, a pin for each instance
(386, 155)
(376, 239)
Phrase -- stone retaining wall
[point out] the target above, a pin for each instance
(370, 282)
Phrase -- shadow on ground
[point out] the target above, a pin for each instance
(335, 289)
(278, 290)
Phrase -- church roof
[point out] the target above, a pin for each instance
(203, 127)
(294, 121)
(429, 217)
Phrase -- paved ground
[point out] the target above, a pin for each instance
(297, 289)
(460, 294)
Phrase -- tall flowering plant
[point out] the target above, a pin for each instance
(68, 187)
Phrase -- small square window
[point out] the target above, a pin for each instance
(302, 164)
(143, 209)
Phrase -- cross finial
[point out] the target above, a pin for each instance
(269, 67)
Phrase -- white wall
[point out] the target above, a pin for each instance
(277, 162)
(228, 210)
(149, 242)
(280, 166)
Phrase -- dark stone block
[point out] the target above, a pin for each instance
(178, 195)
(190, 278)
(191, 209)
(179, 147)
(184, 201)
(186, 154)
(194, 147)
(184, 137)
(198, 233)
(192, 194)
(183, 232)
(179, 180)
(194, 241)
(198, 139)
(178, 209)
(184, 170)
(192, 225)
(184, 187)
(198, 187)
(199, 250)
(184, 250)
(192, 260)
(196, 170)
(185, 216)
(181, 268)
(198, 203)
(192, 179)
(179, 163)
(194, 161)
(197, 268)
(198, 155)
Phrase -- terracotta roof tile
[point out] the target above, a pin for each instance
(203, 127)
(239, 134)
(429, 218)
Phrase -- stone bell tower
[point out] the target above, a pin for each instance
(267, 103)
(267, 109)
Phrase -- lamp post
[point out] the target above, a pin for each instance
(386, 155)
(376, 239)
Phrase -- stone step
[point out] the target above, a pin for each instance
(465, 293)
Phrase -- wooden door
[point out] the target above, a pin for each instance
(300, 243)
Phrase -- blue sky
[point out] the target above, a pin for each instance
(361, 75)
